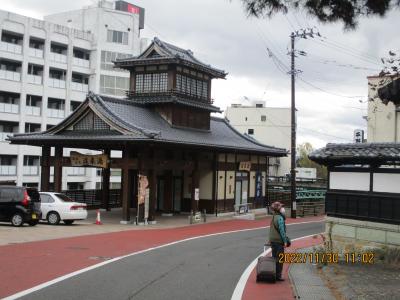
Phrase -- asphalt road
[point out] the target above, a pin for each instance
(206, 268)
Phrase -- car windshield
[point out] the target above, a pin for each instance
(64, 198)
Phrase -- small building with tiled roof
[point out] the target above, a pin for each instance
(363, 197)
(176, 157)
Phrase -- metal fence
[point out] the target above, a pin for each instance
(93, 198)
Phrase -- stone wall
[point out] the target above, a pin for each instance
(348, 235)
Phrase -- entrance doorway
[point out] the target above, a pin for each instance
(241, 187)
(163, 193)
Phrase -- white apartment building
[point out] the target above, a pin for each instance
(383, 119)
(268, 125)
(46, 69)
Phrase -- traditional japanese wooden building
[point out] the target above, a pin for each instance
(164, 128)
(363, 197)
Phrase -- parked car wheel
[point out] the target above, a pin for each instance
(53, 218)
(17, 220)
(33, 223)
(68, 222)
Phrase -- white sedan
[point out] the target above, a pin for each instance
(58, 207)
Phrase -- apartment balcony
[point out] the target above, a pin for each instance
(38, 53)
(76, 171)
(10, 75)
(55, 113)
(11, 47)
(81, 87)
(4, 135)
(9, 108)
(31, 170)
(79, 62)
(35, 79)
(33, 110)
(8, 170)
(56, 83)
(61, 58)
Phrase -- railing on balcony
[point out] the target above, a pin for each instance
(9, 108)
(34, 79)
(76, 86)
(31, 170)
(32, 110)
(80, 62)
(55, 113)
(61, 58)
(76, 171)
(4, 135)
(10, 47)
(33, 52)
(8, 170)
(57, 83)
(10, 75)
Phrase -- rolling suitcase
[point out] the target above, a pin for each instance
(266, 269)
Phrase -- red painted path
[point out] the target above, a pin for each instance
(26, 265)
(281, 290)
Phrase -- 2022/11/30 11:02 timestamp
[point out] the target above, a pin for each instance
(324, 257)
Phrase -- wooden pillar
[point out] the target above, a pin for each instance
(168, 191)
(215, 183)
(105, 173)
(58, 169)
(195, 185)
(45, 169)
(152, 186)
(126, 198)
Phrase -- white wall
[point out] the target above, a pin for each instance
(386, 182)
(349, 181)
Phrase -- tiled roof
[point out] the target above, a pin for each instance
(143, 100)
(139, 123)
(172, 52)
(365, 153)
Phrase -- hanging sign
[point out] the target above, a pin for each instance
(79, 159)
(143, 184)
(258, 185)
(245, 166)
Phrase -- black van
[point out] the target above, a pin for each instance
(19, 205)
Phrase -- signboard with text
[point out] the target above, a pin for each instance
(245, 166)
(79, 159)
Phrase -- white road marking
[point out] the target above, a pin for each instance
(239, 289)
(67, 276)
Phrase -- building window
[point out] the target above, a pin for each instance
(263, 118)
(151, 82)
(250, 131)
(113, 85)
(259, 105)
(118, 37)
(191, 86)
(108, 58)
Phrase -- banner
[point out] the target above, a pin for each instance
(79, 159)
(258, 186)
(143, 184)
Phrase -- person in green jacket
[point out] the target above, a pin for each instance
(277, 236)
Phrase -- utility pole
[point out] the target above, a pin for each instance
(293, 132)
(302, 33)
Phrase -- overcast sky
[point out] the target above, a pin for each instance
(331, 91)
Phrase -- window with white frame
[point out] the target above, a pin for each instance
(113, 85)
(108, 58)
(118, 37)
